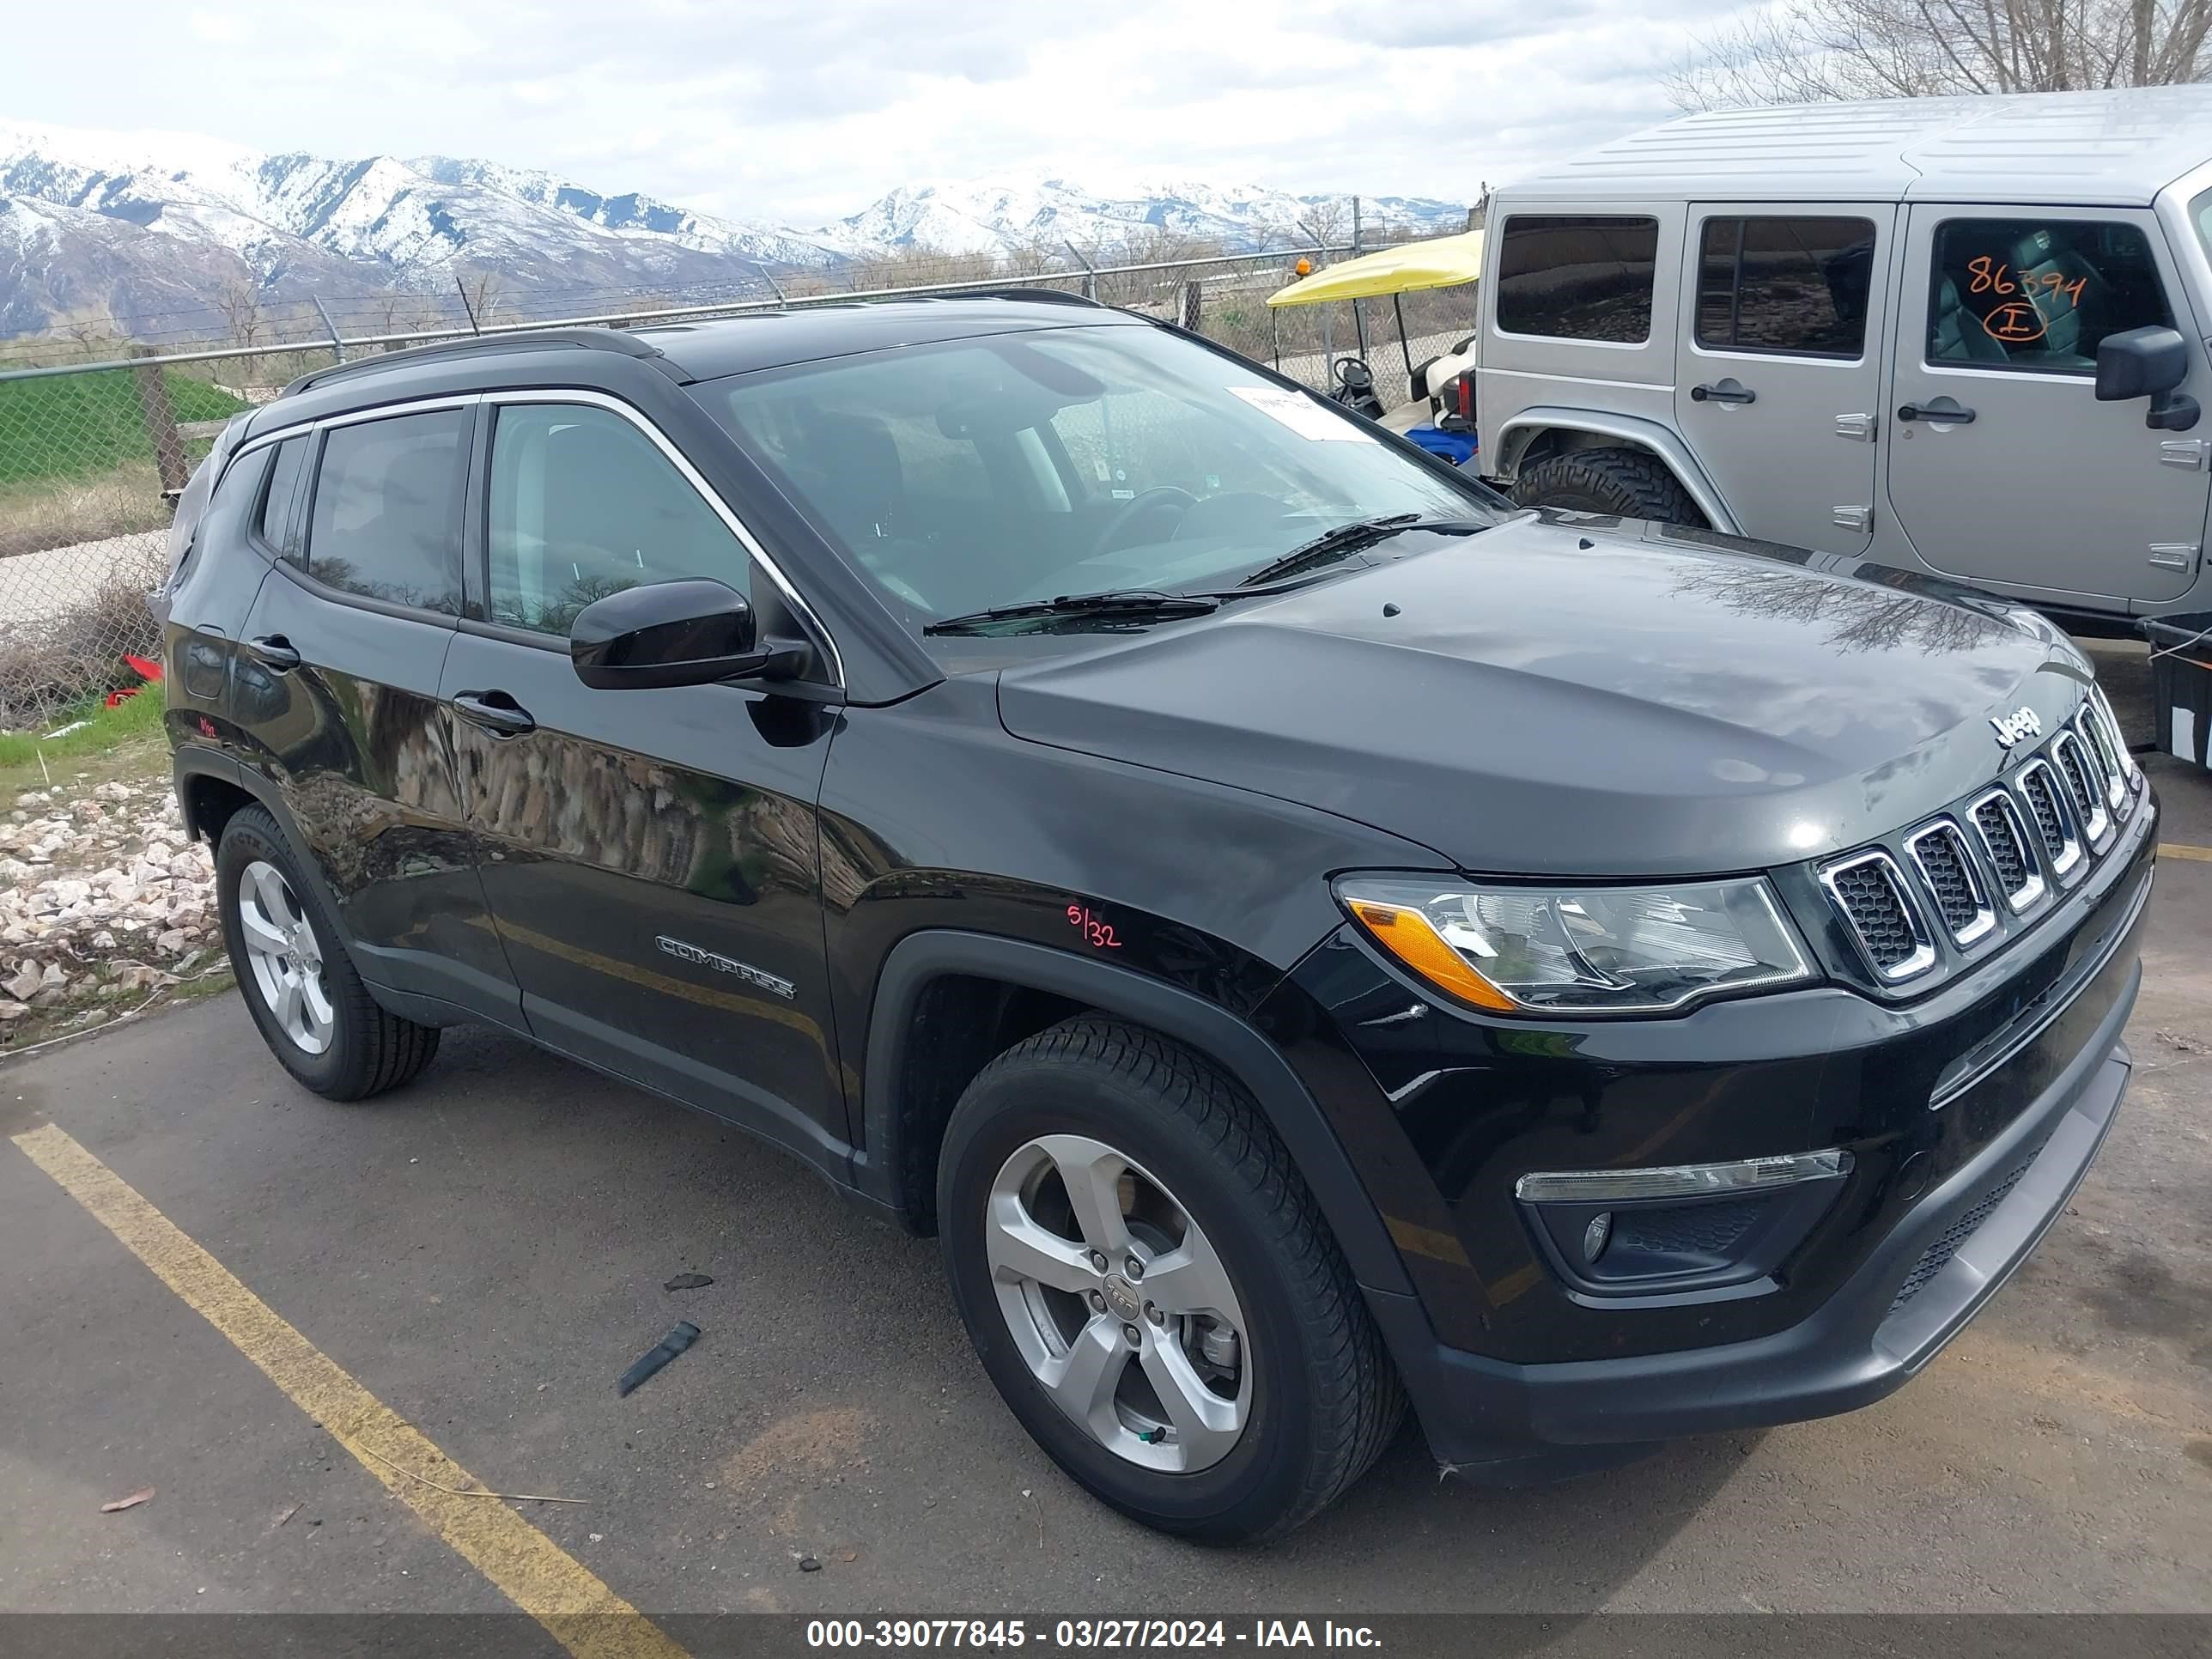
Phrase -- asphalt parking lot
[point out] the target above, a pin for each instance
(484, 1252)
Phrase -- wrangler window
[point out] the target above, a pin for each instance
(1585, 277)
(2039, 294)
(1793, 286)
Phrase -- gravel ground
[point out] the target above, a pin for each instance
(100, 898)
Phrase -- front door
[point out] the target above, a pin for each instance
(1778, 375)
(650, 856)
(2032, 485)
(336, 684)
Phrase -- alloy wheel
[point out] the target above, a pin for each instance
(285, 957)
(1121, 1307)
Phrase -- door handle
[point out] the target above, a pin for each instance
(274, 653)
(1723, 393)
(1956, 414)
(504, 717)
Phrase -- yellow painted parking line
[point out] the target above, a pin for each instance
(579, 1611)
(2174, 849)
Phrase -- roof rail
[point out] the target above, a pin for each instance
(1041, 295)
(589, 339)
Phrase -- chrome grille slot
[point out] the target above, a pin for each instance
(1962, 900)
(2099, 743)
(2085, 787)
(2101, 714)
(2042, 793)
(1869, 894)
(2003, 836)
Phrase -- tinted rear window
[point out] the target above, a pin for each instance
(1585, 277)
(275, 524)
(387, 514)
(1796, 285)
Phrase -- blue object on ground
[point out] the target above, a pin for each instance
(1457, 447)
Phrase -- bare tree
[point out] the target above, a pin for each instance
(1811, 50)
(481, 291)
(918, 266)
(238, 303)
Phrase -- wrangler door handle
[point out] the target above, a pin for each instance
(1956, 414)
(274, 653)
(1725, 392)
(495, 712)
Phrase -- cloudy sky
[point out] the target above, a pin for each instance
(804, 112)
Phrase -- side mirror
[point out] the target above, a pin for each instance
(679, 633)
(2148, 362)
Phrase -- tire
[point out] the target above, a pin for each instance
(364, 1050)
(1316, 1390)
(1628, 483)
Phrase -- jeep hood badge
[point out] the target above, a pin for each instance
(2017, 727)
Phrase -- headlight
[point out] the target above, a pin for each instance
(1570, 950)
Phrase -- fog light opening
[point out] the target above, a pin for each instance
(1597, 1235)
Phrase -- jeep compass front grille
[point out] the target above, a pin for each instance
(2039, 788)
(2085, 786)
(1960, 900)
(1870, 891)
(2004, 838)
(1929, 895)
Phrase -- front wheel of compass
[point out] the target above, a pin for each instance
(1152, 1288)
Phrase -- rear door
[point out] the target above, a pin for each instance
(337, 685)
(2045, 491)
(650, 856)
(1778, 380)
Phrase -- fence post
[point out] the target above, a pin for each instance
(160, 425)
(337, 345)
(1358, 307)
(1193, 296)
(1090, 272)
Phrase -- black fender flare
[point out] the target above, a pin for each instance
(1205, 1027)
(192, 760)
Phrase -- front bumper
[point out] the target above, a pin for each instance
(1959, 1242)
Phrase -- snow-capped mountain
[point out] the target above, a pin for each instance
(138, 229)
(1004, 212)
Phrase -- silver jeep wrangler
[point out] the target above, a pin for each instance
(1951, 335)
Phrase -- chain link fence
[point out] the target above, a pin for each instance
(99, 434)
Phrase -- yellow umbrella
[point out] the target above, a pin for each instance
(1443, 262)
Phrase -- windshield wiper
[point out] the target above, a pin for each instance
(1346, 539)
(1133, 604)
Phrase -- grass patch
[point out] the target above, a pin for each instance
(63, 511)
(126, 738)
(79, 426)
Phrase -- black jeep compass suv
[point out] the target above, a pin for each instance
(1309, 936)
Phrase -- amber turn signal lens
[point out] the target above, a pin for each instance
(1407, 935)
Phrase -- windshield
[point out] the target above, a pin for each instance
(1023, 466)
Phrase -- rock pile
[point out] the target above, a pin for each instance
(100, 895)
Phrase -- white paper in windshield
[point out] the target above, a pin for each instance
(1302, 415)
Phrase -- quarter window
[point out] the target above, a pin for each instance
(387, 514)
(274, 523)
(1577, 278)
(2039, 294)
(583, 505)
(1794, 286)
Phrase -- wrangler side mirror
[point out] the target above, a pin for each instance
(2148, 362)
